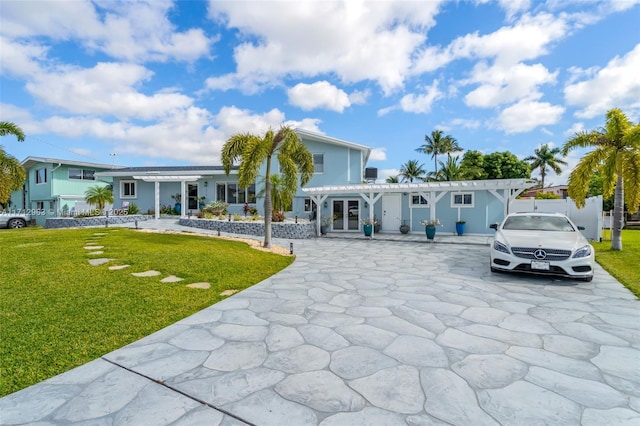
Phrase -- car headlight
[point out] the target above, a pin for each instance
(498, 246)
(583, 252)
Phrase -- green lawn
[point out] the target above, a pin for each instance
(58, 312)
(625, 264)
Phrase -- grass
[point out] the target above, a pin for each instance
(623, 265)
(58, 312)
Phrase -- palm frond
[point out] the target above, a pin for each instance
(8, 128)
(233, 149)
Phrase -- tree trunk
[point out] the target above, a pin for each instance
(618, 215)
(267, 205)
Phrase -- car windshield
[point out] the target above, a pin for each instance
(538, 223)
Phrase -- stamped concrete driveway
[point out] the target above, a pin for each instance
(360, 332)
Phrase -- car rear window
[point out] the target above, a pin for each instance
(538, 223)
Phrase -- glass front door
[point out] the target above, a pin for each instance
(346, 215)
(192, 195)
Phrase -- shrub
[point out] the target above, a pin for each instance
(547, 196)
(277, 216)
(133, 209)
(237, 217)
(253, 211)
(216, 208)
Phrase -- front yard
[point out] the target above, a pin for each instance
(625, 264)
(58, 312)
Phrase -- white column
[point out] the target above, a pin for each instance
(156, 199)
(183, 199)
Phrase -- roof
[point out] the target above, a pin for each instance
(306, 134)
(461, 185)
(29, 162)
(167, 171)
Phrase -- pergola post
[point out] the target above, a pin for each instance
(156, 201)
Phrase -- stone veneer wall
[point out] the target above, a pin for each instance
(72, 222)
(298, 231)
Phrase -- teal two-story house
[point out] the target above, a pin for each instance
(342, 192)
(57, 187)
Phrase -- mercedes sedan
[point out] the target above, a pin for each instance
(541, 243)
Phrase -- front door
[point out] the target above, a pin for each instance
(391, 212)
(346, 215)
(192, 196)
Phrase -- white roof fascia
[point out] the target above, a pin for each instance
(469, 185)
(167, 178)
(30, 161)
(199, 173)
(335, 141)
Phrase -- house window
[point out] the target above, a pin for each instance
(80, 174)
(128, 189)
(419, 200)
(462, 199)
(40, 205)
(231, 194)
(308, 205)
(318, 163)
(41, 175)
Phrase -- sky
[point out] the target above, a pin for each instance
(163, 83)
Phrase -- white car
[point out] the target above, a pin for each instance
(542, 243)
(14, 220)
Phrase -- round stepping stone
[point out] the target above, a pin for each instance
(96, 252)
(99, 261)
(229, 292)
(118, 267)
(150, 273)
(99, 233)
(171, 279)
(203, 286)
(93, 247)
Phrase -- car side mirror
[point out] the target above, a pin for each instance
(494, 226)
(580, 228)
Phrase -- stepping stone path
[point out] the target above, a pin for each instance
(99, 261)
(228, 292)
(96, 252)
(203, 286)
(118, 267)
(150, 273)
(93, 247)
(171, 279)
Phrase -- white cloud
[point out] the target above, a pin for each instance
(378, 154)
(20, 59)
(421, 103)
(385, 173)
(575, 128)
(501, 84)
(135, 31)
(107, 88)
(320, 94)
(356, 41)
(615, 86)
(466, 123)
(528, 114)
(513, 7)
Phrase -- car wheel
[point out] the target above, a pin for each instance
(16, 223)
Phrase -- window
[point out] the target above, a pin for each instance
(419, 200)
(128, 189)
(462, 199)
(80, 174)
(41, 175)
(230, 193)
(309, 205)
(318, 163)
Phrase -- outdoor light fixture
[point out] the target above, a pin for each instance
(326, 205)
(206, 183)
(290, 248)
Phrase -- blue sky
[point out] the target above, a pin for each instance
(166, 83)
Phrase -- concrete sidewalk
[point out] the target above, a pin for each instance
(375, 332)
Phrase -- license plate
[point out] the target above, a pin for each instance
(541, 266)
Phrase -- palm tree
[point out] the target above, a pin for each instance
(437, 144)
(7, 128)
(281, 196)
(412, 170)
(450, 170)
(544, 158)
(98, 195)
(617, 158)
(12, 174)
(252, 151)
(393, 179)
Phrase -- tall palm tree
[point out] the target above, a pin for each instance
(411, 171)
(7, 128)
(252, 151)
(546, 158)
(99, 196)
(438, 144)
(616, 156)
(12, 174)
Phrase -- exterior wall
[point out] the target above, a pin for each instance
(278, 229)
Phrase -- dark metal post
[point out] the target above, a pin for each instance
(290, 248)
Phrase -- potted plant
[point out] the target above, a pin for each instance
(201, 202)
(178, 205)
(430, 227)
(325, 223)
(460, 227)
(404, 228)
(367, 226)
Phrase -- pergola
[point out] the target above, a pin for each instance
(505, 190)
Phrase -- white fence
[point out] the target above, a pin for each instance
(590, 216)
